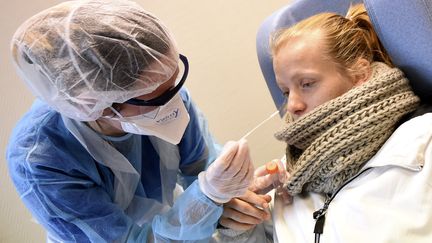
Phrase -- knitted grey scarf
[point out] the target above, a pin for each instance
(330, 144)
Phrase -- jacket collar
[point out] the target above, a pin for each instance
(407, 146)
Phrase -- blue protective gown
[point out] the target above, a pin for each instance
(72, 194)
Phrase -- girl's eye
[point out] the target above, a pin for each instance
(307, 83)
(286, 93)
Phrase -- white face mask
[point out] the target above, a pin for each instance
(168, 122)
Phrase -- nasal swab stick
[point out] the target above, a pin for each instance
(255, 128)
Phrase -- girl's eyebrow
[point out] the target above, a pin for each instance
(297, 74)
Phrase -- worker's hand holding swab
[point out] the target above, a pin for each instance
(229, 175)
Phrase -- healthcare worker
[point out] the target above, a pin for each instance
(102, 153)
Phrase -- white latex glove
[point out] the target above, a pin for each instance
(229, 175)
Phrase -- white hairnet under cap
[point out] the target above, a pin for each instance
(82, 56)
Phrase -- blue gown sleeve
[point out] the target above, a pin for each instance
(73, 209)
(193, 218)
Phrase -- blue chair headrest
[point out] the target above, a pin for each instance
(404, 27)
(405, 30)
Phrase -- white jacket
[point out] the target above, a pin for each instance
(390, 202)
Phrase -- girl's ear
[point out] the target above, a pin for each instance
(363, 71)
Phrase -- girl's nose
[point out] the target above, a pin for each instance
(295, 104)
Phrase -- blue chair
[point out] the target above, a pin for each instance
(404, 28)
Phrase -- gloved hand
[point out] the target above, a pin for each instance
(230, 175)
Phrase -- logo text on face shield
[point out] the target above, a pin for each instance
(171, 116)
